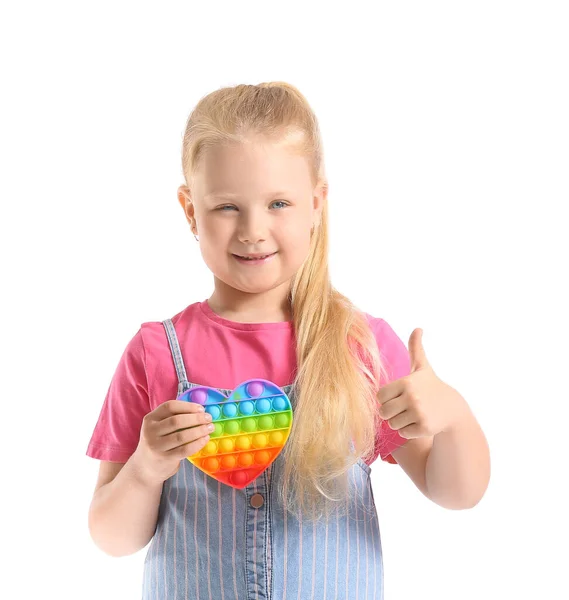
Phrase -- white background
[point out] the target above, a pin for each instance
(446, 136)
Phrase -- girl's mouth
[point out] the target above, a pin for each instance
(256, 260)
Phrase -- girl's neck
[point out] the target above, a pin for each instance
(271, 306)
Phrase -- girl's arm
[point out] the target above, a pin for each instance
(457, 471)
(124, 508)
(451, 468)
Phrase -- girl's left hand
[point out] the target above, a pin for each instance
(420, 404)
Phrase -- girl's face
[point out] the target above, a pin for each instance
(253, 198)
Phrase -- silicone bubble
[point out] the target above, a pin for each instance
(214, 411)
(276, 438)
(265, 422)
(229, 461)
(247, 408)
(263, 406)
(232, 427)
(243, 442)
(263, 457)
(226, 445)
(251, 427)
(245, 459)
(210, 448)
(239, 479)
(229, 409)
(260, 440)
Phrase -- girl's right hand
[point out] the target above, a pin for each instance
(170, 433)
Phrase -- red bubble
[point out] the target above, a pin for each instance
(239, 477)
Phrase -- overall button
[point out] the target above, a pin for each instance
(257, 501)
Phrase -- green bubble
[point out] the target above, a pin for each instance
(231, 427)
(265, 423)
(217, 430)
(282, 420)
(249, 425)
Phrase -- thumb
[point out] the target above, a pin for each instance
(417, 352)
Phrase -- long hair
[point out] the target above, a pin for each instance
(338, 364)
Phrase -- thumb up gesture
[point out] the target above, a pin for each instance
(420, 404)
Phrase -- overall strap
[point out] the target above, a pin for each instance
(176, 355)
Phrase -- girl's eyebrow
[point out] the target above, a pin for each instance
(227, 195)
(232, 196)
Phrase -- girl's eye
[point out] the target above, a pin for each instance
(280, 202)
(229, 206)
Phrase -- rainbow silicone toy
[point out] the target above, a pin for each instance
(252, 426)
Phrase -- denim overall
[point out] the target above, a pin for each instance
(216, 542)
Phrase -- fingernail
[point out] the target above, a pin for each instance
(210, 427)
(208, 417)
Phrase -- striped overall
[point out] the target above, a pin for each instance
(216, 542)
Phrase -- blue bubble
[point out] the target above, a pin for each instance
(230, 409)
(263, 406)
(213, 410)
(279, 403)
(246, 408)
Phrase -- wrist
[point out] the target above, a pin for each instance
(461, 414)
(141, 474)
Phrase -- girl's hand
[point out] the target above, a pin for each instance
(420, 404)
(170, 433)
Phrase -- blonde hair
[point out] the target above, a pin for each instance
(338, 363)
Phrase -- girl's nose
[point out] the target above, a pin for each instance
(252, 231)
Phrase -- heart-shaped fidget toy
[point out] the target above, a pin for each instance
(251, 428)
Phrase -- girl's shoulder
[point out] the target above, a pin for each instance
(381, 329)
(153, 333)
(393, 351)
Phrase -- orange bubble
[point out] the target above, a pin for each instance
(260, 440)
(263, 457)
(228, 462)
(211, 464)
(246, 459)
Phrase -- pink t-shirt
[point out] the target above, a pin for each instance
(217, 353)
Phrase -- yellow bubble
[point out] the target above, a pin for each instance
(260, 440)
(210, 448)
(277, 438)
(243, 442)
(226, 445)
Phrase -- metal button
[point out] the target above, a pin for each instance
(257, 501)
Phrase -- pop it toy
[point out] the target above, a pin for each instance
(251, 428)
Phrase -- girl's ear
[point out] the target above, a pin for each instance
(185, 200)
(319, 199)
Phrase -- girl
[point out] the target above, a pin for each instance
(256, 200)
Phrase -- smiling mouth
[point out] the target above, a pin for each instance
(254, 256)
